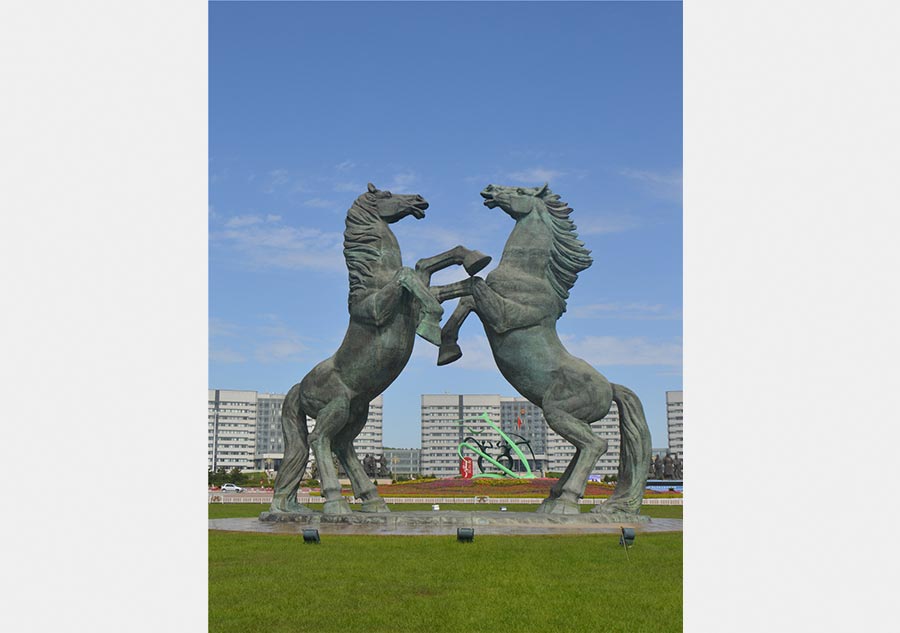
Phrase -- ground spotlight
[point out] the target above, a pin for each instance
(627, 538)
(502, 508)
(310, 535)
(465, 535)
(435, 506)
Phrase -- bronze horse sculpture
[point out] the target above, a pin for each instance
(388, 304)
(519, 303)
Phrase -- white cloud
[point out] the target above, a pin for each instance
(477, 355)
(617, 310)
(280, 350)
(602, 351)
(345, 166)
(349, 186)
(665, 185)
(319, 203)
(604, 224)
(280, 179)
(536, 176)
(242, 220)
(218, 327)
(273, 244)
(224, 355)
(401, 183)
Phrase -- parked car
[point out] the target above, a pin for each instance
(231, 488)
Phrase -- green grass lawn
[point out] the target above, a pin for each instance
(237, 510)
(276, 583)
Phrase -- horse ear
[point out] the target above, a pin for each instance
(372, 188)
(542, 190)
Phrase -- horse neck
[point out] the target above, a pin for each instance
(528, 246)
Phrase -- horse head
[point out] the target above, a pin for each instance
(517, 202)
(392, 207)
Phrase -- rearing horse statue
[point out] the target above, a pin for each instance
(519, 303)
(388, 305)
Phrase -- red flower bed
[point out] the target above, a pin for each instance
(538, 488)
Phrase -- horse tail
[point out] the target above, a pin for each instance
(296, 453)
(634, 454)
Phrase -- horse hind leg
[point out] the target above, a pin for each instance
(332, 418)
(296, 456)
(588, 447)
(634, 455)
(363, 488)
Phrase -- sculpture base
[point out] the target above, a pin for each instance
(450, 518)
(445, 523)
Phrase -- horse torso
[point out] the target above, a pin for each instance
(371, 357)
(532, 357)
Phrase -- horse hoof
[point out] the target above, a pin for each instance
(558, 506)
(430, 331)
(375, 505)
(336, 506)
(475, 261)
(448, 354)
(281, 506)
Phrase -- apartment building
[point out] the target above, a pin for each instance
(245, 430)
(403, 461)
(232, 429)
(442, 433)
(675, 422)
(560, 452)
(447, 420)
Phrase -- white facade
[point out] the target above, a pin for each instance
(370, 439)
(245, 430)
(675, 419)
(560, 452)
(446, 421)
(232, 429)
(442, 432)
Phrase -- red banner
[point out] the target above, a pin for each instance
(466, 468)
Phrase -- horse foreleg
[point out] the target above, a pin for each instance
(430, 311)
(472, 261)
(449, 350)
(363, 488)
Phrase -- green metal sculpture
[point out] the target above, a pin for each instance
(388, 305)
(519, 303)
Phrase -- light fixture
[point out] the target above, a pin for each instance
(435, 506)
(502, 508)
(627, 538)
(310, 535)
(465, 535)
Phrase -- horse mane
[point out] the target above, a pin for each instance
(568, 256)
(360, 241)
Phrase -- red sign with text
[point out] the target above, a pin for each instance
(466, 468)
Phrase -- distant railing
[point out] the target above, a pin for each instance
(217, 497)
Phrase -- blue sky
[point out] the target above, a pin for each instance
(310, 101)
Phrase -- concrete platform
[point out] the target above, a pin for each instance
(443, 523)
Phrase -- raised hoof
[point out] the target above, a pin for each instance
(558, 506)
(374, 505)
(430, 330)
(448, 354)
(336, 506)
(475, 261)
